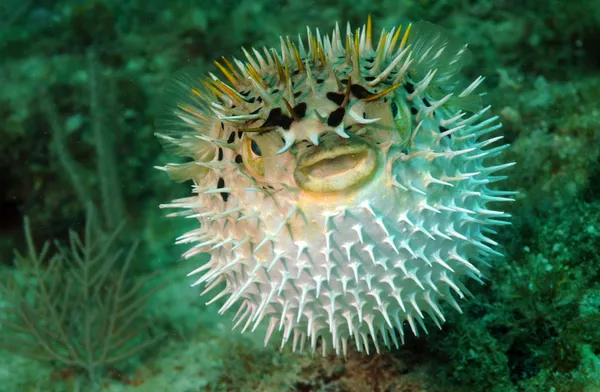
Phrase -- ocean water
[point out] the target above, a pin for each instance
(95, 293)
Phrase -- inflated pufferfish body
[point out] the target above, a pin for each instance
(340, 186)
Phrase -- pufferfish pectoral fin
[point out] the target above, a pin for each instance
(191, 126)
(433, 47)
(185, 113)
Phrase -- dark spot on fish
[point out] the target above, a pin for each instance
(231, 138)
(221, 184)
(238, 159)
(336, 98)
(277, 119)
(258, 99)
(297, 94)
(344, 81)
(414, 111)
(285, 122)
(370, 78)
(220, 154)
(245, 93)
(336, 117)
(252, 100)
(222, 127)
(370, 59)
(426, 102)
(409, 87)
(275, 91)
(300, 109)
(359, 91)
(319, 81)
(255, 111)
(240, 133)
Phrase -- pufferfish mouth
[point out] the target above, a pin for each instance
(336, 166)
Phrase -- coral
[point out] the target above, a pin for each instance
(111, 197)
(535, 327)
(475, 358)
(76, 307)
(555, 136)
(552, 276)
(388, 372)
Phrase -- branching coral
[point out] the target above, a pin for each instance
(75, 307)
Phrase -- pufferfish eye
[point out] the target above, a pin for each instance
(255, 149)
(253, 158)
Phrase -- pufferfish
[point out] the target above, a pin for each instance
(339, 183)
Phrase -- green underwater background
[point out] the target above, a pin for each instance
(93, 291)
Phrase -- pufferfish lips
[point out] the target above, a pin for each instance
(336, 164)
(343, 187)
